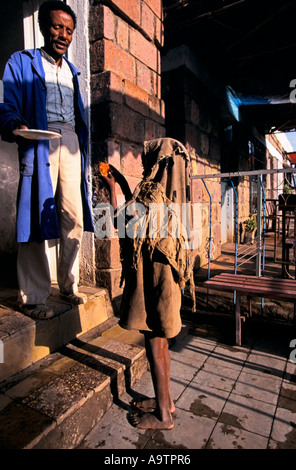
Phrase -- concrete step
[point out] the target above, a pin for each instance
(54, 403)
(25, 340)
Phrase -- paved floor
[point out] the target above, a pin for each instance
(226, 398)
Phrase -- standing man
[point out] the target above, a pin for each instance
(41, 92)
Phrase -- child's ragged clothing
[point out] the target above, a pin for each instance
(156, 260)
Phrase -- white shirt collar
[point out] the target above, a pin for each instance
(49, 58)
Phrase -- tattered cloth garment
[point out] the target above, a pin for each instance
(156, 260)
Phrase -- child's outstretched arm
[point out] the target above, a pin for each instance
(111, 177)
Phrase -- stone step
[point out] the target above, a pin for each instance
(25, 340)
(54, 403)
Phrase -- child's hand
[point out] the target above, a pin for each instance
(109, 180)
(107, 170)
(111, 175)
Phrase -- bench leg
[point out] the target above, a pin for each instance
(238, 324)
(249, 306)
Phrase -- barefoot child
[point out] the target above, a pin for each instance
(156, 265)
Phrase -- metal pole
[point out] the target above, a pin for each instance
(236, 235)
(244, 173)
(236, 226)
(210, 240)
(259, 227)
(263, 231)
(210, 232)
(263, 236)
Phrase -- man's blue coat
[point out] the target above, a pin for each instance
(25, 102)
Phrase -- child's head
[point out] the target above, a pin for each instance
(166, 161)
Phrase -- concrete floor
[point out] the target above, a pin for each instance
(226, 396)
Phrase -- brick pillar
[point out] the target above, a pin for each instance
(193, 116)
(126, 109)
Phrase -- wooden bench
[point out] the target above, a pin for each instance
(276, 288)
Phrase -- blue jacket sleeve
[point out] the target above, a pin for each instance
(11, 108)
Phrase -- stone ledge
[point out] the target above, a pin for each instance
(54, 403)
(27, 340)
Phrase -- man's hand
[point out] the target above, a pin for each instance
(21, 140)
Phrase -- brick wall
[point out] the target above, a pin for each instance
(126, 105)
(193, 117)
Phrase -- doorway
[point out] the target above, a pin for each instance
(19, 30)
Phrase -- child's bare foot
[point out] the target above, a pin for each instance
(149, 405)
(150, 421)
